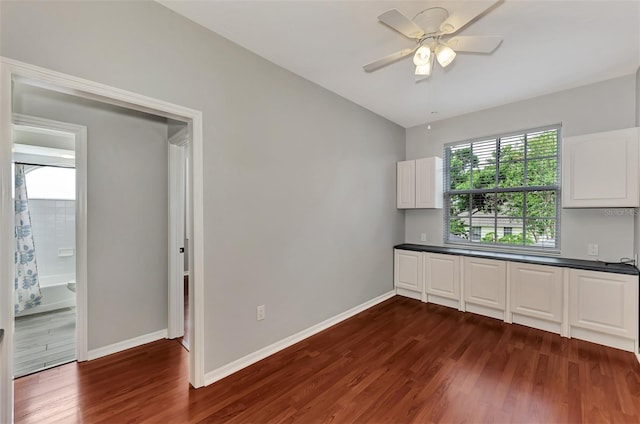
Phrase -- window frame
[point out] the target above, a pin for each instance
(475, 232)
(448, 193)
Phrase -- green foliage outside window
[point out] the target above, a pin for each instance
(518, 176)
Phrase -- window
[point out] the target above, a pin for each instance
(504, 191)
(50, 182)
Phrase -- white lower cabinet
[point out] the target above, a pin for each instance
(536, 295)
(407, 272)
(485, 286)
(599, 307)
(442, 279)
(603, 308)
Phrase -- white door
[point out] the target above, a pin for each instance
(177, 184)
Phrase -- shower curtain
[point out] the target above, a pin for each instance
(27, 285)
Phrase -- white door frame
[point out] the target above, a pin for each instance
(80, 135)
(11, 70)
(178, 144)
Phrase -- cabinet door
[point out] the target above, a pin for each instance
(601, 170)
(406, 181)
(485, 282)
(407, 272)
(429, 183)
(604, 302)
(536, 291)
(442, 275)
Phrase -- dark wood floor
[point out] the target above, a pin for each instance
(401, 361)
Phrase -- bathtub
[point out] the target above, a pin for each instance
(58, 292)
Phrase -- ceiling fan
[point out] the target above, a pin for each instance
(431, 29)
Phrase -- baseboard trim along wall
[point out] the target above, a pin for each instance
(245, 361)
(126, 344)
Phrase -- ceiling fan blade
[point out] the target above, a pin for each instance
(474, 44)
(468, 11)
(389, 59)
(405, 26)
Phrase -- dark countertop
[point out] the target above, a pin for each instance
(616, 268)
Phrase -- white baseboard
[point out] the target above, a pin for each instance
(245, 361)
(409, 293)
(126, 344)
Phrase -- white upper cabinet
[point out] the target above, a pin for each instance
(429, 183)
(601, 170)
(420, 184)
(406, 180)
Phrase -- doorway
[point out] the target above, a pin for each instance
(13, 71)
(45, 299)
(53, 156)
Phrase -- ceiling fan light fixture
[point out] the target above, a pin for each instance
(422, 56)
(424, 70)
(445, 55)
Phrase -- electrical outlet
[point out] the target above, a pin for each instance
(423, 237)
(592, 249)
(260, 313)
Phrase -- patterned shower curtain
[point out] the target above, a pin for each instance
(27, 285)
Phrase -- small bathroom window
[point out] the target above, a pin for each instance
(52, 183)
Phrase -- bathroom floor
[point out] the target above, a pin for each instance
(44, 341)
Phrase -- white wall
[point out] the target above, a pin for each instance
(636, 233)
(299, 183)
(127, 212)
(54, 228)
(598, 107)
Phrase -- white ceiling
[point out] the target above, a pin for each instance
(548, 46)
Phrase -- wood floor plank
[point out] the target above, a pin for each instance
(402, 361)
